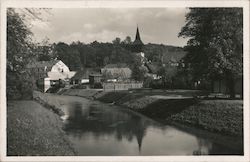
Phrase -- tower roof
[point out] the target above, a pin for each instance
(137, 37)
(137, 44)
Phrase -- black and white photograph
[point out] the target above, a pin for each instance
(91, 79)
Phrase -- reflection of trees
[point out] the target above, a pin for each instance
(204, 147)
(214, 143)
(218, 145)
(106, 121)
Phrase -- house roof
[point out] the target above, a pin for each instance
(84, 74)
(95, 75)
(40, 64)
(57, 76)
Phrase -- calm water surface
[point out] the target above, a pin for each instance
(95, 128)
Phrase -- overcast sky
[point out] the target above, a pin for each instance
(156, 25)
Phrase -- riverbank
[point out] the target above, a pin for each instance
(215, 115)
(35, 130)
(220, 116)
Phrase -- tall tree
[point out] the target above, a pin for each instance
(44, 51)
(19, 53)
(69, 55)
(215, 47)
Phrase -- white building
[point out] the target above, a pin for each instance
(48, 72)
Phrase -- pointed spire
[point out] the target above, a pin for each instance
(137, 37)
(137, 44)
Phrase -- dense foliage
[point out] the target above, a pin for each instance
(215, 47)
(19, 52)
(78, 55)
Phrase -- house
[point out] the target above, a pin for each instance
(47, 73)
(83, 76)
(95, 78)
(116, 72)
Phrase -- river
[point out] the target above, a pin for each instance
(95, 128)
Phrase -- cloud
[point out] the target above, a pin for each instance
(41, 25)
(157, 25)
(101, 36)
(88, 26)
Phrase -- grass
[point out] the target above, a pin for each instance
(222, 116)
(110, 97)
(34, 130)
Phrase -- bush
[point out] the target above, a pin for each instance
(19, 85)
(147, 82)
(97, 86)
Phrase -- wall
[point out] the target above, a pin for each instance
(60, 67)
(121, 86)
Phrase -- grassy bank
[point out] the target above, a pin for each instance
(222, 116)
(86, 93)
(34, 130)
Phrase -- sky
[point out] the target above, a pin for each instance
(156, 25)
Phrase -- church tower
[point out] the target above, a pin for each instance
(137, 44)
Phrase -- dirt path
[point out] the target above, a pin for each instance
(35, 130)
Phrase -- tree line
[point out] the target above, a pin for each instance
(78, 55)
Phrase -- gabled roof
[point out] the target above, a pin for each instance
(84, 74)
(57, 76)
(95, 75)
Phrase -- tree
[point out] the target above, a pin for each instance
(19, 53)
(215, 47)
(116, 41)
(138, 69)
(127, 40)
(69, 55)
(44, 51)
(167, 74)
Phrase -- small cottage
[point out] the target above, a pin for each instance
(46, 73)
(83, 76)
(115, 72)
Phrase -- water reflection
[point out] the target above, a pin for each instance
(100, 129)
(102, 122)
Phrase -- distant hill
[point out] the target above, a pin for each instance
(78, 55)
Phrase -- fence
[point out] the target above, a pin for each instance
(121, 86)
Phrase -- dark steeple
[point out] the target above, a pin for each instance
(137, 44)
(137, 37)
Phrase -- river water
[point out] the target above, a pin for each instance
(101, 129)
